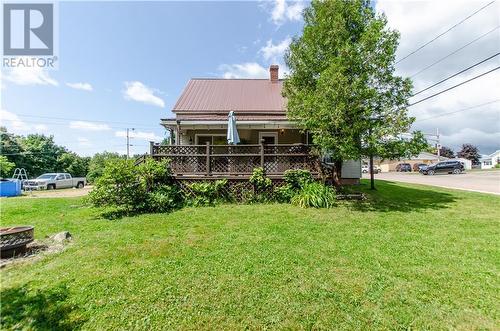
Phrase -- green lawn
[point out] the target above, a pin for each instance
(412, 257)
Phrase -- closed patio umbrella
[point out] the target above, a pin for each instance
(232, 133)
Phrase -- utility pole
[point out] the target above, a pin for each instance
(128, 142)
(436, 139)
(438, 143)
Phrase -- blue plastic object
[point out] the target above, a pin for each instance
(10, 187)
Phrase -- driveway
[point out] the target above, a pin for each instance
(59, 193)
(478, 181)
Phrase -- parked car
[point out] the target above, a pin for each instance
(403, 167)
(365, 168)
(446, 167)
(51, 181)
(419, 166)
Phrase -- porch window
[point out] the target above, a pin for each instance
(213, 139)
(270, 138)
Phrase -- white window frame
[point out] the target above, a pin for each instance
(207, 135)
(263, 134)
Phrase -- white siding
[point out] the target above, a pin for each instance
(351, 169)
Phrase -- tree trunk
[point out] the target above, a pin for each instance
(337, 173)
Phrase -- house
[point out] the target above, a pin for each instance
(198, 145)
(490, 161)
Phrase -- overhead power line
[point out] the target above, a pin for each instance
(454, 52)
(91, 121)
(454, 86)
(445, 32)
(458, 111)
(456, 74)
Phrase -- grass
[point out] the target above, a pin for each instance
(412, 257)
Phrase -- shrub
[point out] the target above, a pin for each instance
(497, 165)
(295, 180)
(118, 187)
(315, 195)
(207, 193)
(164, 199)
(153, 174)
(261, 185)
(124, 188)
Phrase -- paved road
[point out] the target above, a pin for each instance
(479, 181)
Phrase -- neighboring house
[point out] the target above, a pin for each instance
(490, 161)
(201, 117)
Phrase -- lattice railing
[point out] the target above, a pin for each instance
(236, 159)
(241, 190)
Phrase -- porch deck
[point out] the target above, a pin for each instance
(235, 161)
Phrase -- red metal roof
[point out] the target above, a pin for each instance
(223, 95)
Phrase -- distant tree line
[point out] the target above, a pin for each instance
(39, 154)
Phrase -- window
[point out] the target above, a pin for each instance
(213, 139)
(270, 138)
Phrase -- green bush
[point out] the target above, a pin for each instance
(497, 165)
(261, 185)
(164, 199)
(315, 195)
(207, 193)
(118, 187)
(295, 180)
(124, 188)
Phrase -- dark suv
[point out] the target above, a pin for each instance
(446, 167)
(403, 167)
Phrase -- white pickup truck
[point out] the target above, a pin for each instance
(53, 181)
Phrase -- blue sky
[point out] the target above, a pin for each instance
(150, 49)
(124, 64)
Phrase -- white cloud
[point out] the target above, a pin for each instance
(244, 70)
(137, 91)
(84, 142)
(80, 86)
(274, 52)
(29, 76)
(283, 11)
(149, 136)
(89, 126)
(479, 126)
(16, 125)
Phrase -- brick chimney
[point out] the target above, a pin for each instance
(273, 71)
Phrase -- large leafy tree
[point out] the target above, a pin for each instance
(41, 154)
(342, 87)
(10, 146)
(74, 164)
(470, 152)
(6, 167)
(38, 153)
